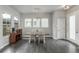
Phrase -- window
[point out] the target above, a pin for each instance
(6, 24)
(15, 22)
(44, 22)
(36, 22)
(28, 22)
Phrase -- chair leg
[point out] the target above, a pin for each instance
(39, 40)
(34, 39)
(30, 40)
(44, 40)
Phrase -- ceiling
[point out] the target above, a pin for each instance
(35, 8)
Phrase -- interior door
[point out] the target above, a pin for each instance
(60, 28)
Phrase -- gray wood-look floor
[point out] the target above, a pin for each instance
(51, 46)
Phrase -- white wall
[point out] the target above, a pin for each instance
(58, 24)
(4, 40)
(73, 11)
(41, 15)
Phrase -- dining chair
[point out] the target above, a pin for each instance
(32, 37)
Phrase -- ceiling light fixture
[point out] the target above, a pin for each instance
(36, 12)
(36, 9)
(66, 7)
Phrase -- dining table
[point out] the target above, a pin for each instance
(37, 37)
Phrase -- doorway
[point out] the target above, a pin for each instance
(72, 27)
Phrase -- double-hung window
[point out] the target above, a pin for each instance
(36, 22)
(44, 22)
(6, 24)
(28, 22)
